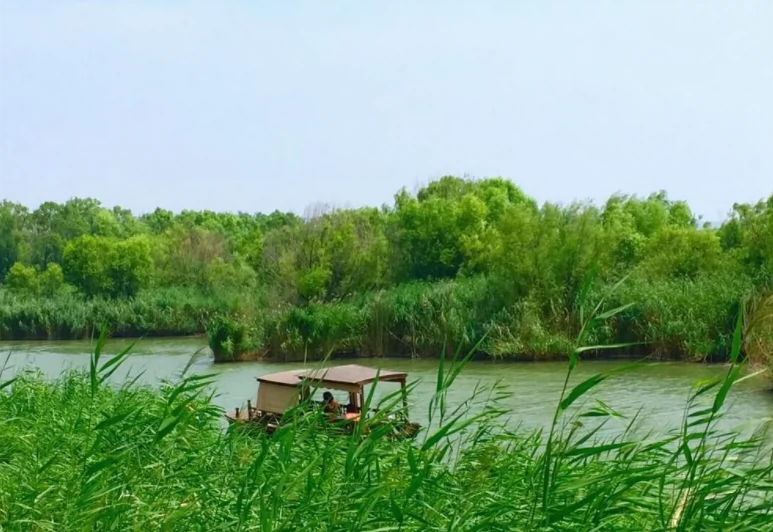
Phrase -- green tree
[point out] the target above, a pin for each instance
(547, 255)
(51, 280)
(100, 266)
(182, 255)
(22, 280)
(748, 235)
(53, 225)
(159, 221)
(683, 252)
(229, 277)
(313, 283)
(446, 226)
(472, 255)
(86, 265)
(11, 216)
(130, 266)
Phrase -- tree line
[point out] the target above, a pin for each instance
(457, 261)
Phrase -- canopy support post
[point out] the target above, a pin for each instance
(404, 393)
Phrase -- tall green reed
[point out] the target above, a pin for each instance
(87, 451)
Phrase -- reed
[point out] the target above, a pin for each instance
(684, 319)
(87, 452)
(170, 312)
(678, 319)
(758, 330)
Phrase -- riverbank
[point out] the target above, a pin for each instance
(131, 456)
(675, 320)
(460, 263)
(157, 313)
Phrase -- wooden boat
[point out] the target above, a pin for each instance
(280, 393)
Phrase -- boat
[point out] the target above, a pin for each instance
(281, 393)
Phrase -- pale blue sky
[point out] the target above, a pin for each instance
(257, 106)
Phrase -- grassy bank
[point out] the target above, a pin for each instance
(456, 261)
(172, 312)
(133, 458)
(676, 319)
(679, 319)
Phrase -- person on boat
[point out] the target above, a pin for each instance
(329, 404)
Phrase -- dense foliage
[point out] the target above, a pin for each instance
(458, 260)
(112, 457)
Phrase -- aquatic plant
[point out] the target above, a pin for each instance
(231, 339)
(758, 330)
(84, 452)
(460, 259)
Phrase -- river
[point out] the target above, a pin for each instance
(659, 390)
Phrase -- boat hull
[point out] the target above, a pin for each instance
(394, 430)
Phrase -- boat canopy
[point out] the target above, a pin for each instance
(349, 377)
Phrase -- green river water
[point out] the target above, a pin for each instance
(658, 390)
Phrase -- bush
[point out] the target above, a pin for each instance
(231, 340)
(22, 280)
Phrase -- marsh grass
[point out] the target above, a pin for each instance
(84, 453)
(170, 312)
(758, 330)
(675, 319)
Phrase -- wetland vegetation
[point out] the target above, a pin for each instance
(457, 261)
(514, 279)
(120, 456)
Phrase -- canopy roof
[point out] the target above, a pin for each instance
(350, 374)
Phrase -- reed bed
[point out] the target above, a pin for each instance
(171, 312)
(678, 319)
(83, 452)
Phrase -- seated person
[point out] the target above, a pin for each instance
(329, 404)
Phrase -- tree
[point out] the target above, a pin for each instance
(748, 235)
(52, 280)
(547, 254)
(12, 220)
(53, 225)
(130, 266)
(85, 265)
(159, 221)
(444, 229)
(682, 252)
(182, 255)
(229, 277)
(22, 280)
(100, 266)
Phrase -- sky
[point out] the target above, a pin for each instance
(256, 106)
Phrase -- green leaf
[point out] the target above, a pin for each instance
(8, 383)
(736, 349)
(114, 420)
(581, 389)
(608, 314)
(585, 452)
(167, 426)
(584, 349)
(94, 371)
(719, 399)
